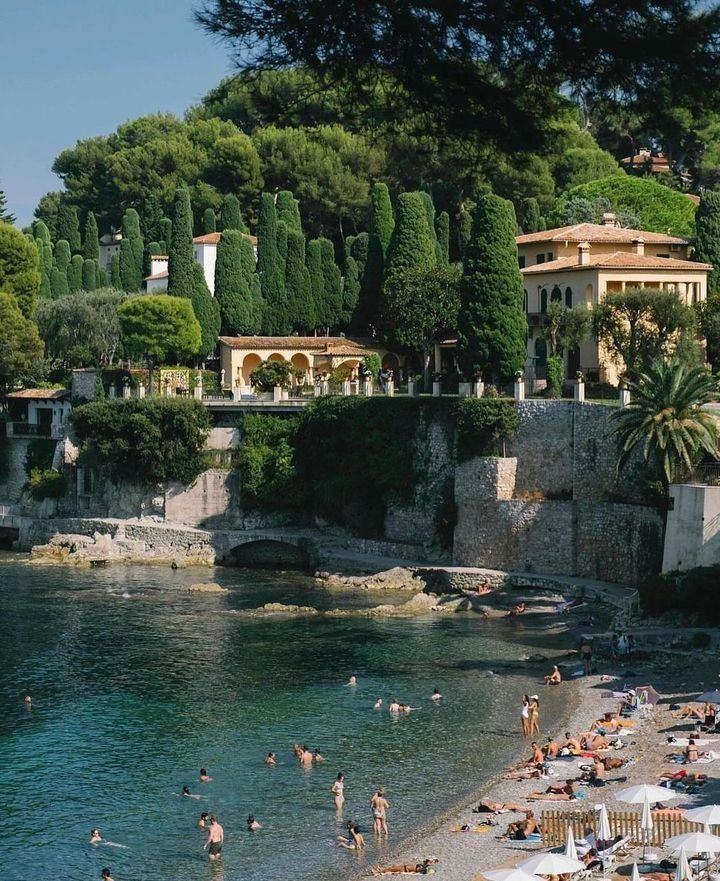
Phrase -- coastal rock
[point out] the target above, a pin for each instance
(208, 587)
(397, 578)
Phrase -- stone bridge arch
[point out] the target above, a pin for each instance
(270, 552)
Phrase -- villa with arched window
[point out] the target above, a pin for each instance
(578, 265)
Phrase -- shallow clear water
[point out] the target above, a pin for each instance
(137, 683)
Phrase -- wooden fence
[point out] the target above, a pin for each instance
(665, 824)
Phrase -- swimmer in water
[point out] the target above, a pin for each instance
(436, 696)
(204, 776)
(204, 818)
(355, 840)
(187, 794)
(306, 758)
(394, 706)
(270, 759)
(297, 751)
(378, 704)
(352, 681)
(95, 837)
(253, 824)
(318, 756)
(105, 875)
(27, 701)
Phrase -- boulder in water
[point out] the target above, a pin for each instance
(208, 587)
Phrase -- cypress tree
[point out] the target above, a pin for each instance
(180, 258)
(530, 215)
(379, 236)
(207, 311)
(166, 232)
(101, 276)
(238, 311)
(68, 226)
(91, 244)
(151, 218)
(271, 270)
(288, 210)
(41, 232)
(411, 245)
(74, 273)
(332, 283)
(442, 226)
(131, 252)
(358, 250)
(115, 272)
(231, 215)
(62, 255)
(282, 240)
(707, 242)
(492, 328)
(153, 249)
(249, 268)
(58, 283)
(89, 274)
(45, 262)
(209, 222)
(313, 258)
(298, 285)
(429, 212)
(351, 289)
(464, 229)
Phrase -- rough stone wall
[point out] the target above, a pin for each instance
(15, 478)
(211, 501)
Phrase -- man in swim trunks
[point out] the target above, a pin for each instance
(572, 744)
(214, 843)
(551, 748)
(519, 831)
(379, 806)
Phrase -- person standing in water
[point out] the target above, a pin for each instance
(214, 843)
(525, 715)
(379, 807)
(338, 790)
(435, 696)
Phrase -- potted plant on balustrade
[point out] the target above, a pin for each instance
(268, 376)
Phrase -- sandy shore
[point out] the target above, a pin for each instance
(464, 855)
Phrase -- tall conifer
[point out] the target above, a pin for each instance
(298, 285)
(91, 242)
(238, 312)
(68, 226)
(131, 252)
(181, 282)
(271, 270)
(288, 210)
(412, 245)
(209, 221)
(707, 241)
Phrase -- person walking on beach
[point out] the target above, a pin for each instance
(214, 843)
(525, 715)
(586, 654)
(379, 806)
(534, 715)
(338, 790)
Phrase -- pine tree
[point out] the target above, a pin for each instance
(298, 285)
(68, 226)
(166, 232)
(209, 222)
(180, 258)
(707, 242)
(91, 244)
(151, 218)
(313, 258)
(101, 277)
(62, 255)
(58, 283)
(238, 311)
(442, 227)
(231, 215)
(74, 273)
(5, 215)
(288, 210)
(271, 270)
(332, 283)
(207, 311)
(89, 274)
(492, 329)
(411, 246)
(378, 242)
(131, 252)
(530, 215)
(115, 279)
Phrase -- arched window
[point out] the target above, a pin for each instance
(556, 295)
(540, 352)
(568, 298)
(543, 300)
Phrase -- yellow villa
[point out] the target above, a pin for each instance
(313, 355)
(577, 265)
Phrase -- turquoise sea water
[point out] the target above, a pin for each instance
(136, 684)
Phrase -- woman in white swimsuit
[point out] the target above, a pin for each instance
(525, 715)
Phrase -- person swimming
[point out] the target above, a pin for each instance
(252, 824)
(204, 776)
(187, 794)
(307, 757)
(204, 819)
(435, 696)
(352, 681)
(394, 706)
(270, 759)
(105, 875)
(318, 756)
(95, 837)
(27, 700)
(378, 704)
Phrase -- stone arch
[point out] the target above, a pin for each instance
(568, 298)
(250, 362)
(301, 362)
(276, 356)
(265, 553)
(543, 300)
(391, 362)
(349, 365)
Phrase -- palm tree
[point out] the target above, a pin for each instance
(666, 417)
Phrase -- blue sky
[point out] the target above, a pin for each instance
(72, 69)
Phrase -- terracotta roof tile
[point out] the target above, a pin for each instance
(616, 260)
(213, 238)
(598, 232)
(316, 344)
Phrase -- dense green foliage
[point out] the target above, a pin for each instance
(666, 420)
(89, 275)
(74, 273)
(209, 221)
(692, 593)
(442, 229)
(530, 218)
(152, 217)
(288, 210)
(270, 267)
(46, 484)
(115, 279)
(207, 312)
(59, 283)
(640, 325)
(270, 374)
(239, 310)
(62, 255)
(157, 326)
(231, 216)
(298, 285)
(20, 344)
(332, 308)
(379, 234)
(709, 324)
(707, 242)
(5, 215)
(555, 376)
(68, 226)
(411, 244)
(131, 253)
(482, 426)
(91, 242)
(266, 462)
(578, 209)
(81, 330)
(148, 440)
(19, 268)
(181, 281)
(492, 324)
(658, 208)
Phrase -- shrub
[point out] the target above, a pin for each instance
(150, 440)
(692, 593)
(555, 372)
(372, 364)
(46, 484)
(39, 455)
(482, 425)
(266, 462)
(269, 374)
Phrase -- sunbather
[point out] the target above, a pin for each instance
(519, 831)
(497, 807)
(559, 792)
(527, 773)
(423, 868)
(687, 711)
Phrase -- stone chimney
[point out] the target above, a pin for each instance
(639, 246)
(584, 254)
(609, 219)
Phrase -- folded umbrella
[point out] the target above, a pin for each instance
(682, 872)
(570, 849)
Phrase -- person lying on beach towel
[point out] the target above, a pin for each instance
(560, 792)
(423, 868)
(527, 773)
(498, 807)
(687, 712)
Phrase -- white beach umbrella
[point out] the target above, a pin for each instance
(510, 875)
(551, 864)
(646, 824)
(709, 815)
(635, 873)
(694, 842)
(683, 873)
(637, 795)
(570, 849)
(603, 832)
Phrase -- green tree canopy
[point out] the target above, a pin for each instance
(238, 310)
(492, 326)
(19, 268)
(180, 263)
(91, 242)
(231, 215)
(707, 243)
(155, 326)
(209, 221)
(288, 210)
(298, 284)
(131, 252)
(207, 312)
(68, 226)
(81, 330)
(20, 344)
(411, 245)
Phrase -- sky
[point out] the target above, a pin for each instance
(72, 69)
